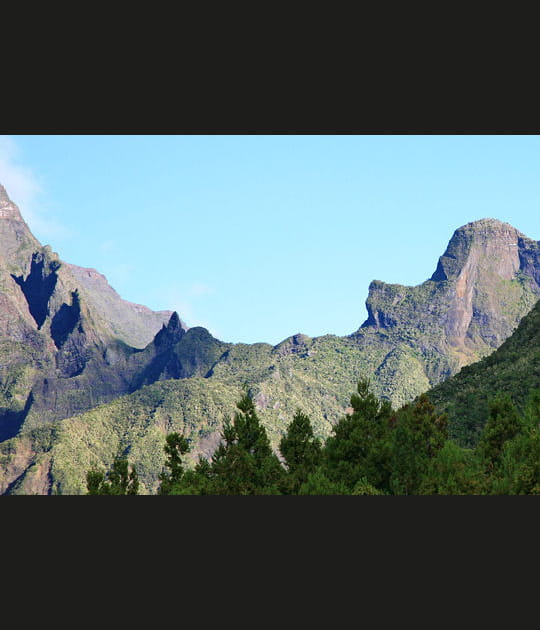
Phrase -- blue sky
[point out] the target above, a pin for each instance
(259, 237)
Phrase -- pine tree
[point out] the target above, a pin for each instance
(244, 462)
(318, 484)
(456, 471)
(358, 448)
(301, 451)
(518, 471)
(418, 435)
(503, 424)
(118, 481)
(176, 445)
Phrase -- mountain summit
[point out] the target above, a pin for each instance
(487, 240)
(487, 279)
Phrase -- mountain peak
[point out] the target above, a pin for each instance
(174, 322)
(487, 222)
(485, 282)
(8, 210)
(172, 332)
(486, 238)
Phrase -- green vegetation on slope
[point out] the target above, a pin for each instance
(513, 369)
(372, 451)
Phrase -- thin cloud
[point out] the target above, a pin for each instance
(199, 288)
(27, 191)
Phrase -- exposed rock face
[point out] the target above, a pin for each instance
(514, 368)
(134, 324)
(485, 282)
(62, 328)
(16, 241)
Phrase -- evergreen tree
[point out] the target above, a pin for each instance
(176, 445)
(454, 470)
(301, 451)
(519, 469)
(363, 487)
(318, 484)
(244, 462)
(118, 481)
(418, 435)
(358, 445)
(503, 424)
(95, 482)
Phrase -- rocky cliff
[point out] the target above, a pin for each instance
(61, 329)
(484, 283)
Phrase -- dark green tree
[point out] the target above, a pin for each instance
(95, 482)
(503, 424)
(176, 446)
(358, 446)
(301, 451)
(518, 471)
(456, 471)
(244, 462)
(317, 483)
(418, 435)
(118, 481)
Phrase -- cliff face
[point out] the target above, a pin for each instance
(485, 282)
(514, 368)
(61, 328)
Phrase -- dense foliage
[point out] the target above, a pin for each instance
(374, 450)
(118, 481)
(513, 369)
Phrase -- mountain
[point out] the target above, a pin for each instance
(77, 390)
(62, 329)
(485, 282)
(513, 369)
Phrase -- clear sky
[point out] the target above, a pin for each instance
(259, 237)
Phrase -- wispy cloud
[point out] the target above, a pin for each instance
(199, 288)
(21, 183)
(25, 188)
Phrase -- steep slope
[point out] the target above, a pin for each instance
(134, 324)
(514, 369)
(61, 329)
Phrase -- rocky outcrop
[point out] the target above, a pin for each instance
(62, 328)
(485, 282)
(133, 324)
(175, 353)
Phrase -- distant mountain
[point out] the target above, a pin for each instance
(77, 388)
(513, 369)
